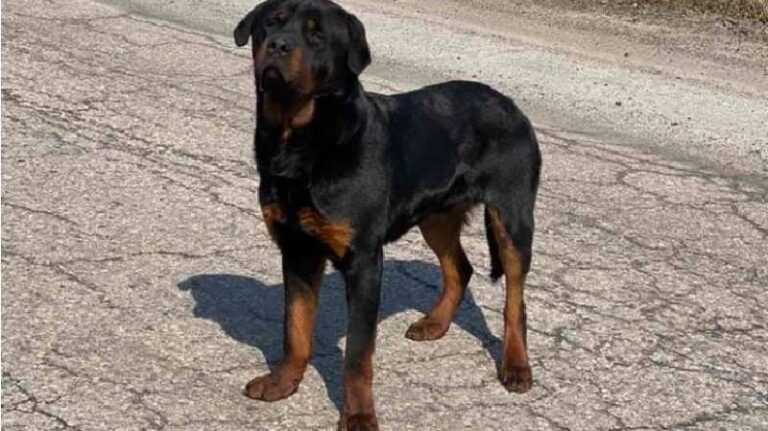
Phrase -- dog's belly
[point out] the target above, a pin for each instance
(407, 213)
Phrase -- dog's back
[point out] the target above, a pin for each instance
(452, 144)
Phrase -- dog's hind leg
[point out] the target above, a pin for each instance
(442, 231)
(512, 227)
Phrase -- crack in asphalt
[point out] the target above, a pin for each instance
(11, 385)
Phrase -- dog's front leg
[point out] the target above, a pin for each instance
(302, 276)
(363, 279)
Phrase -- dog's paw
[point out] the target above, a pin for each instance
(516, 379)
(426, 329)
(271, 387)
(359, 422)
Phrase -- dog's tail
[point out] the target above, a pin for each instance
(493, 247)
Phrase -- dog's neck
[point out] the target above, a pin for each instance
(285, 115)
(294, 136)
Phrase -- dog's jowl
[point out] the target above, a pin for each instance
(344, 171)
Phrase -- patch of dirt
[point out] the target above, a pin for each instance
(654, 35)
(748, 18)
(756, 10)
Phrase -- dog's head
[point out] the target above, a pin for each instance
(304, 48)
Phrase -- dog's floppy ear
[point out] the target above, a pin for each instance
(359, 55)
(245, 27)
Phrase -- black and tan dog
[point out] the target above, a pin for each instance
(344, 171)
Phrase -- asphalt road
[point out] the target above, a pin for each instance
(140, 290)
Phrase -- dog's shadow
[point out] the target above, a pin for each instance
(251, 312)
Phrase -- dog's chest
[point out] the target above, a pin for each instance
(335, 234)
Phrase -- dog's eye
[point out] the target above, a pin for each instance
(313, 29)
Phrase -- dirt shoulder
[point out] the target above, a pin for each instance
(753, 13)
(704, 27)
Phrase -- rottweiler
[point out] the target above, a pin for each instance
(344, 171)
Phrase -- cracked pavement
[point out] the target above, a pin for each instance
(140, 289)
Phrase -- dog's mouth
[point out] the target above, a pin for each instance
(282, 81)
(272, 78)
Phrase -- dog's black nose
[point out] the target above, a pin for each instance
(279, 46)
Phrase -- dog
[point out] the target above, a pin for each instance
(344, 171)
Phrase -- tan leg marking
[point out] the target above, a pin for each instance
(442, 232)
(515, 371)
